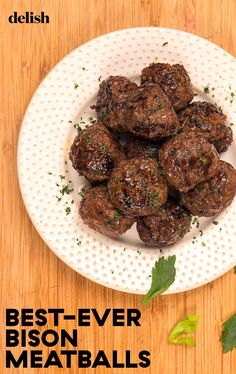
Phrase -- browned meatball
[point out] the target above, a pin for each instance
(187, 160)
(174, 81)
(169, 224)
(111, 91)
(94, 153)
(141, 148)
(150, 114)
(136, 187)
(98, 212)
(209, 120)
(210, 197)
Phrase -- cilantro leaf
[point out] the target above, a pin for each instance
(228, 335)
(163, 275)
(185, 326)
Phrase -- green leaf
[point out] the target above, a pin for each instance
(185, 326)
(228, 335)
(163, 275)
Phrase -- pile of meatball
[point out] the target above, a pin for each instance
(169, 168)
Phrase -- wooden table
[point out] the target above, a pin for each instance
(31, 275)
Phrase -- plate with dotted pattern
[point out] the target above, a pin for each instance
(52, 190)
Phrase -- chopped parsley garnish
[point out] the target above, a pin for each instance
(83, 68)
(78, 242)
(163, 275)
(203, 160)
(62, 176)
(214, 189)
(82, 191)
(67, 210)
(117, 215)
(215, 222)
(89, 137)
(154, 198)
(105, 146)
(228, 335)
(203, 244)
(164, 44)
(207, 89)
(76, 85)
(187, 325)
(77, 127)
(159, 106)
(99, 78)
(50, 173)
(66, 190)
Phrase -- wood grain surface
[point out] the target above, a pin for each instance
(31, 275)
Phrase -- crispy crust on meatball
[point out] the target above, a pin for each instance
(169, 224)
(94, 153)
(187, 160)
(174, 81)
(111, 91)
(136, 187)
(212, 196)
(210, 121)
(141, 148)
(98, 212)
(150, 114)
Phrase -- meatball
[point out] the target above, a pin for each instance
(174, 81)
(94, 153)
(141, 148)
(168, 225)
(210, 121)
(187, 160)
(149, 113)
(136, 187)
(112, 90)
(98, 212)
(212, 196)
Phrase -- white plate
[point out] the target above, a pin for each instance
(47, 132)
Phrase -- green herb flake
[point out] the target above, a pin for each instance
(228, 335)
(66, 190)
(215, 222)
(159, 106)
(203, 244)
(78, 242)
(203, 160)
(99, 78)
(207, 89)
(164, 44)
(117, 215)
(83, 68)
(78, 127)
(163, 275)
(67, 210)
(82, 191)
(187, 325)
(62, 177)
(214, 189)
(89, 137)
(76, 85)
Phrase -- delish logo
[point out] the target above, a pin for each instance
(28, 17)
